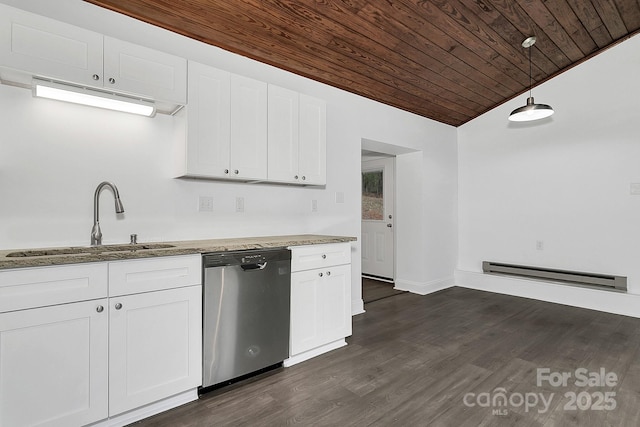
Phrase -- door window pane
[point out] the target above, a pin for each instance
(372, 196)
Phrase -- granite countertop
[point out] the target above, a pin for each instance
(18, 258)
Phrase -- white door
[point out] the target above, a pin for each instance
(208, 121)
(53, 365)
(155, 346)
(248, 128)
(377, 218)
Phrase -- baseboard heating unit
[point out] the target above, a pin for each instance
(591, 280)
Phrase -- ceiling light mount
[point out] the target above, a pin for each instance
(531, 111)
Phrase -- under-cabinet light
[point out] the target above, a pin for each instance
(92, 97)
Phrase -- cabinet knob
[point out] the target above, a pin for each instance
(324, 256)
(304, 177)
(295, 177)
(226, 171)
(328, 273)
(236, 171)
(112, 80)
(320, 274)
(118, 306)
(99, 309)
(96, 77)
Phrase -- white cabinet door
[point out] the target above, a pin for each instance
(313, 141)
(336, 302)
(306, 311)
(48, 48)
(283, 135)
(208, 122)
(53, 365)
(155, 346)
(320, 307)
(248, 128)
(139, 70)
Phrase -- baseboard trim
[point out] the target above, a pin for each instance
(310, 354)
(610, 302)
(149, 410)
(357, 307)
(424, 288)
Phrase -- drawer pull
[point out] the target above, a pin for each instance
(320, 274)
(324, 256)
(328, 273)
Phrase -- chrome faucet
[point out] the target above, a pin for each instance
(96, 233)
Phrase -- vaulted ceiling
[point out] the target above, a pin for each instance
(448, 60)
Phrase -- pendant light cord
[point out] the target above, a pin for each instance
(530, 79)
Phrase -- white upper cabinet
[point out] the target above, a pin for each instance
(208, 122)
(226, 126)
(297, 137)
(283, 134)
(49, 48)
(248, 158)
(313, 140)
(33, 45)
(137, 69)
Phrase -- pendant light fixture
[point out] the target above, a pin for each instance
(531, 111)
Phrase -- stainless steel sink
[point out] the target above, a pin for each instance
(88, 250)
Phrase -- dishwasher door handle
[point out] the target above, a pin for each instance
(256, 266)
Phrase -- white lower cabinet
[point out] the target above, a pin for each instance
(84, 362)
(54, 365)
(154, 347)
(320, 300)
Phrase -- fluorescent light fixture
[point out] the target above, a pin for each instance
(92, 97)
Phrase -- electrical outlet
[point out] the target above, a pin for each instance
(314, 205)
(205, 204)
(539, 245)
(239, 204)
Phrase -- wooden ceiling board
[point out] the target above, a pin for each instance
(448, 60)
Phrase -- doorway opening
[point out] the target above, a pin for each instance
(378, 214)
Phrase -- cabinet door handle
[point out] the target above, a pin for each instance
(236, 171)
(320, 274)
(226, 171)
(324, 256)
(295, 177)
(304, 177)
(118, 306)
(99, 309)
(112, 80)
(96, 77)
(328, 273)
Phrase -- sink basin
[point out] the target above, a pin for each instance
(88, 250)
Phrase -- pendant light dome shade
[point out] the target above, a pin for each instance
(531, 111)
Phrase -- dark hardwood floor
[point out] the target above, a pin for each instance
(374, 290)
(447, 359)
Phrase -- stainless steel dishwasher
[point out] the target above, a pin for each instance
(246, 301)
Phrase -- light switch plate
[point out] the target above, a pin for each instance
(239, 204)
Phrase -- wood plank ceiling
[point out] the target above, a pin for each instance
(448, 60)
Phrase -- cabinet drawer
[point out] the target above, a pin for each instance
(42, 286)
(319, 256)
(152, 274)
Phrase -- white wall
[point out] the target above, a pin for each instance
(53, 155)
(564, 181)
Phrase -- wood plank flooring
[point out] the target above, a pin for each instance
(445, 359)
(374, 290)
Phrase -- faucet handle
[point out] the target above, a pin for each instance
(134, 239)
